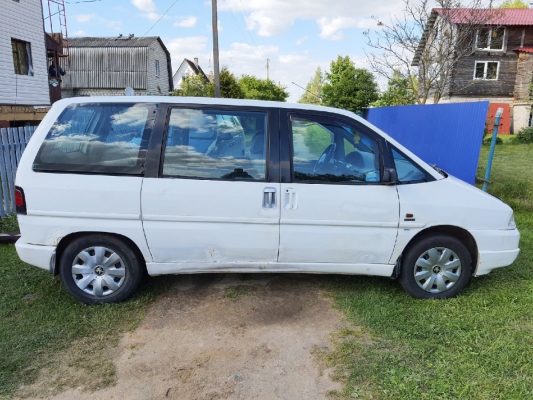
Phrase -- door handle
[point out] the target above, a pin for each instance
(291, 199)
(269, 198)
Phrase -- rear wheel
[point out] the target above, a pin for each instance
(100, 269)
(437, 267)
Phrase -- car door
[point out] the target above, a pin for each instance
(213, 200)
(335, 209)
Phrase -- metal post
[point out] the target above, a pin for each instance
(268, 67)
(499, 113)
(215, 48)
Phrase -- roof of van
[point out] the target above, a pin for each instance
(207, 101)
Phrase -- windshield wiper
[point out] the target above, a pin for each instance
(440, 171)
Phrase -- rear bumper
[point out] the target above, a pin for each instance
(40, 256)
(497, 248)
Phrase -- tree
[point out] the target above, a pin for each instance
(398, 92)
(514, 4)
(348, 87)
(229, 86)
(262, 89)
(194, 86)
(424, 43)
(314, 89)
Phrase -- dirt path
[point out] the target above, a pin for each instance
(228, 336)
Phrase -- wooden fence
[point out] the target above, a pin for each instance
(13, 141)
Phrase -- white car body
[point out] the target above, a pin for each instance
(193, 226)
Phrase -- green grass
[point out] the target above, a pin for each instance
(41, 324)
(9, 223)
(476, 346)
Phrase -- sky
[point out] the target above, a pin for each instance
(296, 35)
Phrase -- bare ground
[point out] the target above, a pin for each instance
(232, 336)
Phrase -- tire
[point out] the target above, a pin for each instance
(438, 266)
(98, 269)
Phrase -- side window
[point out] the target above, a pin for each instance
(22, 60)
(326, 150)
(407, 171)
(106, 137)
(213, 144)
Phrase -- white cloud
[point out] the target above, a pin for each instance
(84, 17)
(185, 47)
(301, 40)
(79, 33)
(274, 17)
(152, 16)
(144, 5)
(187, 22)
(330, 28)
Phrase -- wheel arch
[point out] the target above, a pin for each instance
(459, 233)
(66, 240)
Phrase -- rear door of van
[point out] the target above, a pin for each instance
(83, 170)
(210, 197)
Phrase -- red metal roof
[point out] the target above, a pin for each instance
(525, 49)
(495, 16)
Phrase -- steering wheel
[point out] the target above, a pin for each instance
(325, 158)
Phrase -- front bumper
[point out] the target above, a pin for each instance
(497, 248)
(40, 256)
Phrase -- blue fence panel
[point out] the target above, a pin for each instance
(448, 135)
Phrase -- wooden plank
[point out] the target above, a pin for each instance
(29, 133)
(6, 163)
(16, 144)
(22, 138)
(12, 157)
(4, 207)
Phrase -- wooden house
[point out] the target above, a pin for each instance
(499, 65)
(101, 66)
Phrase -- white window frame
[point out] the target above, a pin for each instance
(157, 68)
(485, 70)
(490, 39)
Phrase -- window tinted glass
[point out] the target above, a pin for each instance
(108, 137)
(496, 40)
(480, 70)
(216, 145)
(483, 38)
(407, 171)
(492, 70)
(331, 151)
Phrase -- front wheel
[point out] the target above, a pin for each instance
(437, 267)
(100, 269)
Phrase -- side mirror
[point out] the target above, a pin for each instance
(390, 176)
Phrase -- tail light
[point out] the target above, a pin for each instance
(20, 201)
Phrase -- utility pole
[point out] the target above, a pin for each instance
(268, 77)
(215, 48)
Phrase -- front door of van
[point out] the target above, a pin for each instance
(334, 208)
(216, 196)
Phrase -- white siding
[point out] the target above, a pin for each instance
(182, 71)
(157, 85)
(24, 21)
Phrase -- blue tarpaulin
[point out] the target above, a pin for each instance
(448, 135)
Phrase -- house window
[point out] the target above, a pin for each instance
(486, 70)
(22, 57)
(490, 39)
(157, 68)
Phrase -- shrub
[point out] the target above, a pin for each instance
(487, 140)
(525, 135)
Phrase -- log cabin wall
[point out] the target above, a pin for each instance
(463, 82)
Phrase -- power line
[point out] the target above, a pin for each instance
(160, 18)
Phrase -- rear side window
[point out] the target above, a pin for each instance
(98, 138)
(216, 144)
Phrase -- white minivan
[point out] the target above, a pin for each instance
(111, 188)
